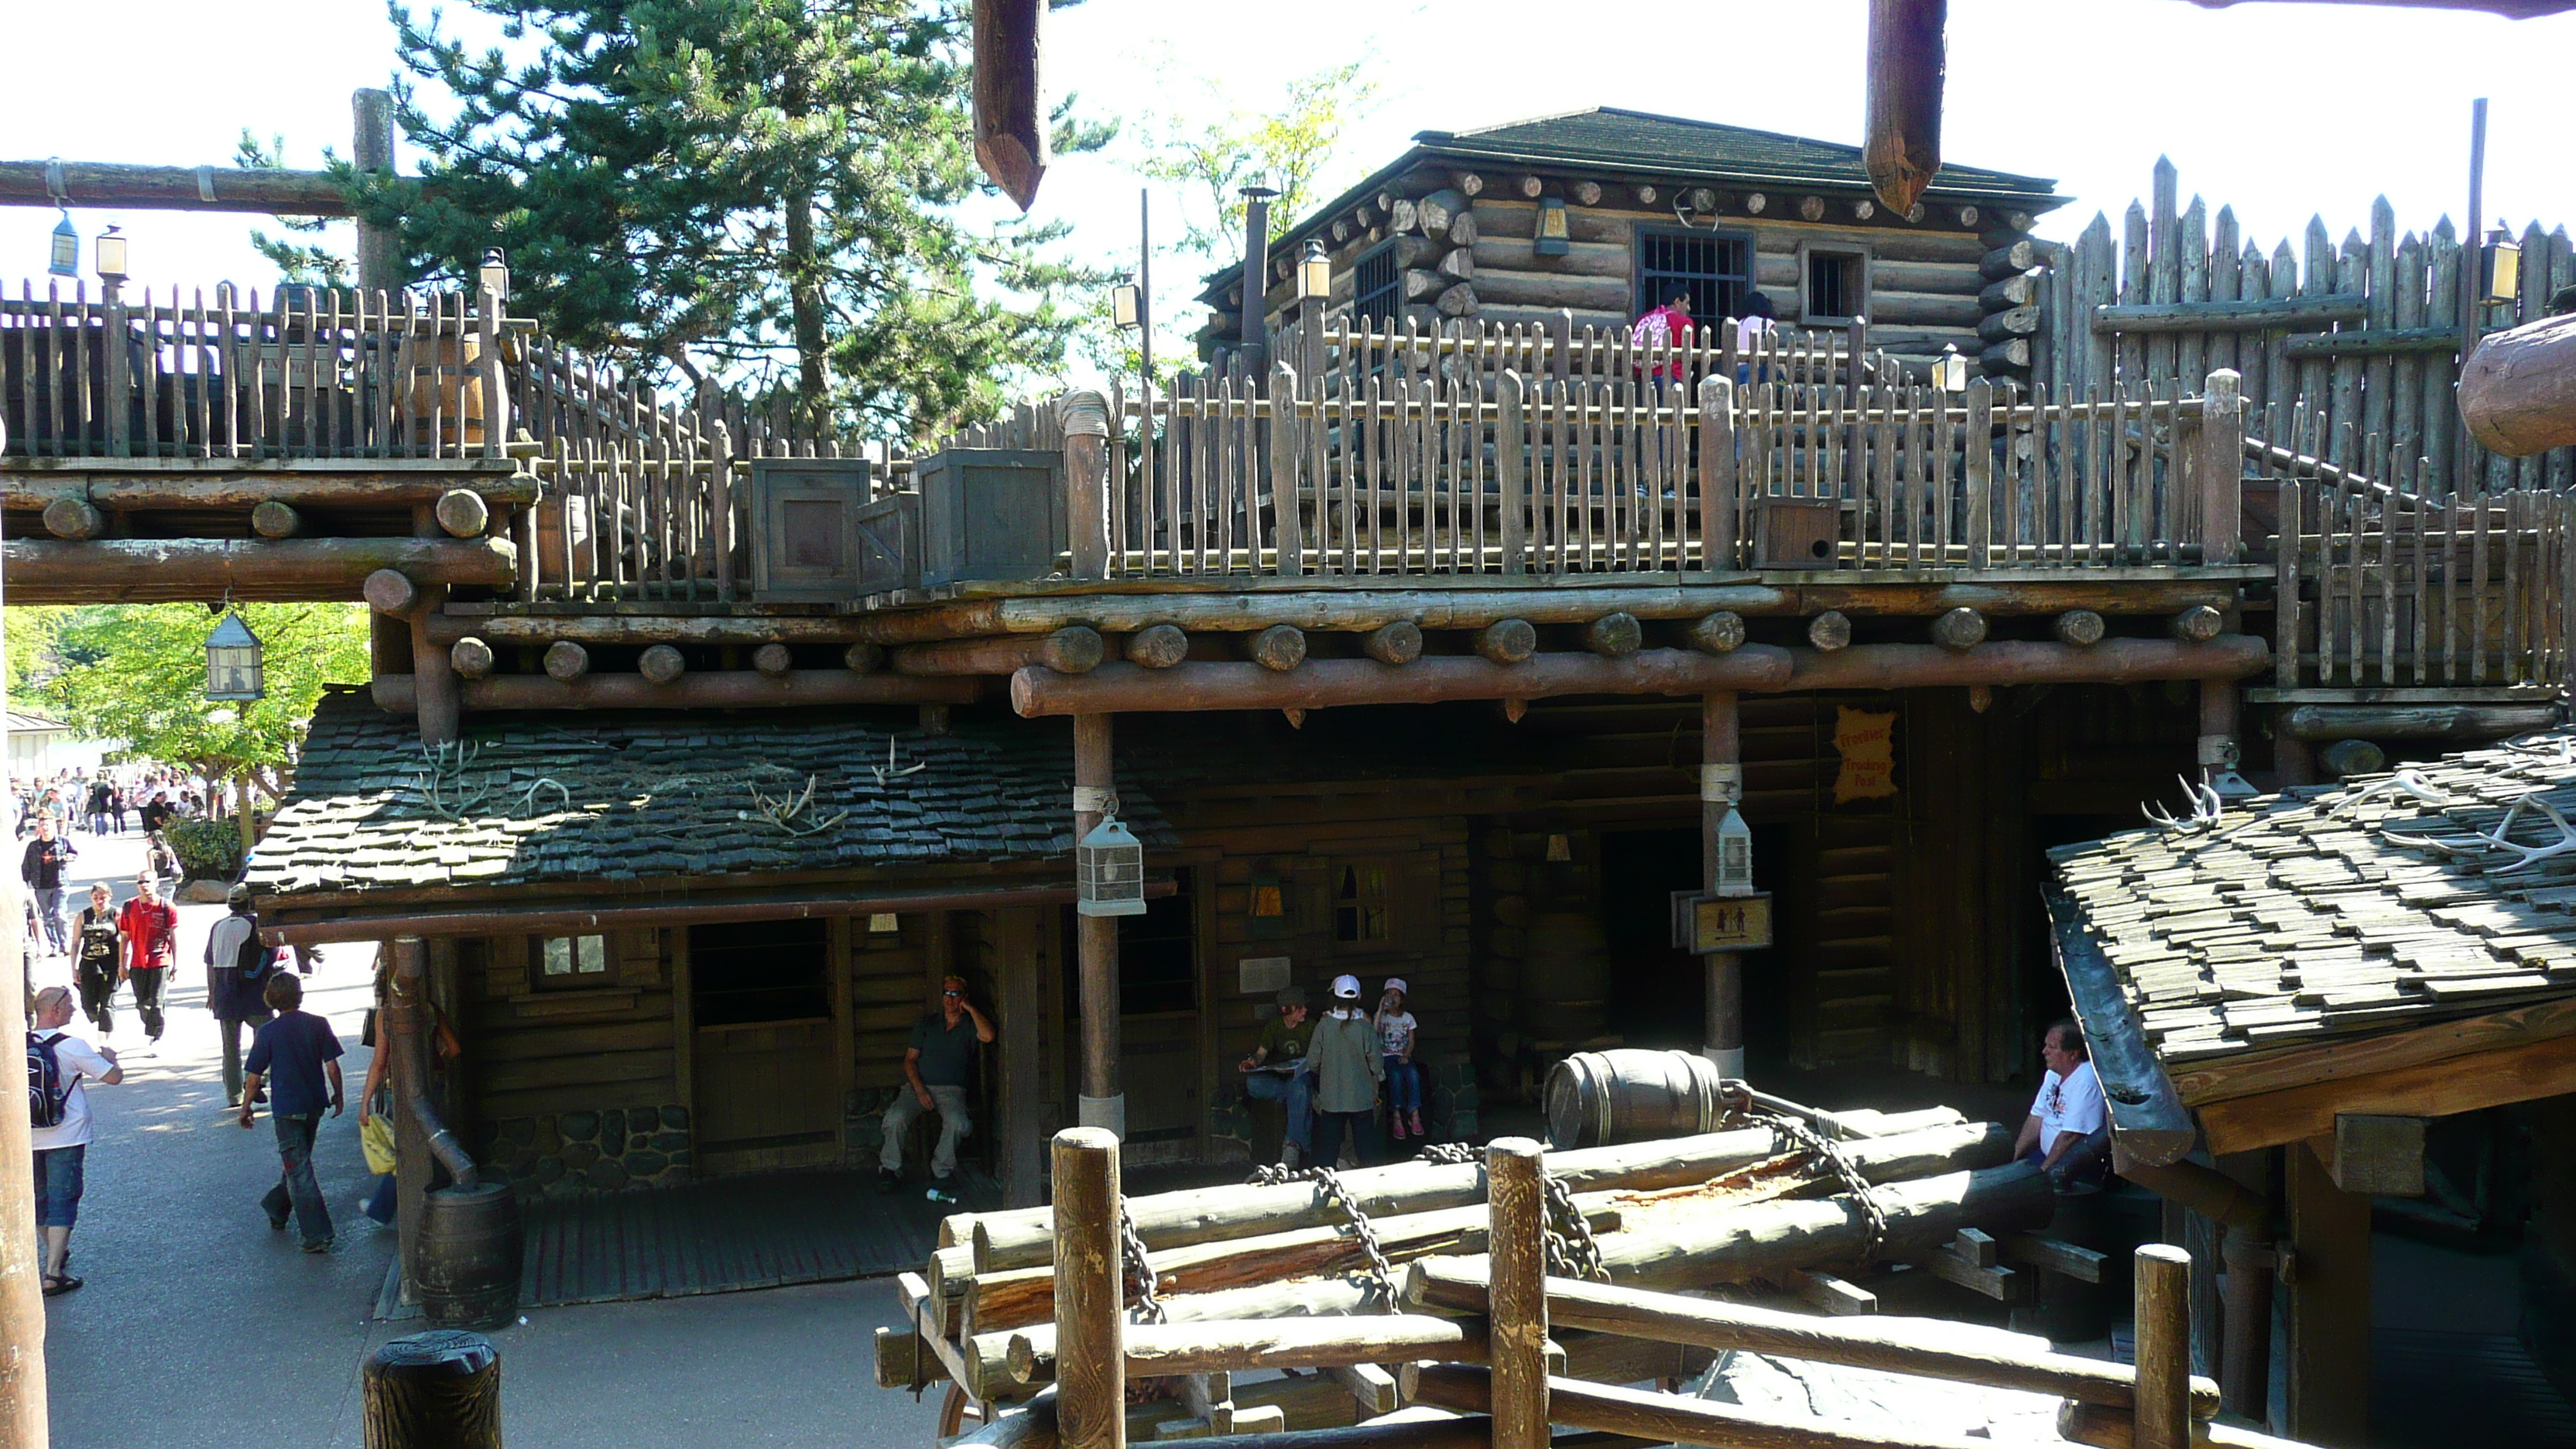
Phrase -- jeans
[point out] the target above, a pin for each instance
(1403, 1085)
(148, 981)
(1329, 1127)
(58, 1185)
(1298, 1092)
(230, 1029)
(954, 1126)
(296, 1186)
(49, 910)
(379, 1206)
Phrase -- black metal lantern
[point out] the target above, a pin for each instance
(233, 669)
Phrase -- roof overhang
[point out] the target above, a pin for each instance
(2149, 1123)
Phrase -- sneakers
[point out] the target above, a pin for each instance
(1417, 1124)
(1395, 1125)
(321, 1245)
(887, 1182)
(1289, 1155)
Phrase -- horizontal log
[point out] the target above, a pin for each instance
(2273, 315)
(534, 629)
(1705, 1250)
(2001, 356)
(233, 490)
(2463, 722)
(2021, 661)
(1506, 286)
(1922, 309)
(74, 518)
(1155, 1350)
(1074, 649)
(1581, 259)
(663, 664)
(566, 660)
(1323, 684)
(273, 519)
(2374, 342)
(471, 658)
(2014, 291)
(1932, 1348)
(2010, 260)
(1654, 1418)
(2081, 1423)
(2010, 323)
(390, 592)
(717, 689)
(2518, 392)
(261, 191)
(318, 570)
(462, 512)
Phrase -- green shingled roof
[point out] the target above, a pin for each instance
(1606, 136)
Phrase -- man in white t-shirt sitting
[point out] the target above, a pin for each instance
(60, 1148)
(2068, 1114)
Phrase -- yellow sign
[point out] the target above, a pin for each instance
(1866, 740)
(1705, 925)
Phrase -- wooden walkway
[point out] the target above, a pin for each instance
(724, 1236)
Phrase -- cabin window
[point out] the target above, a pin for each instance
(1363, 894)
(1376, 283)
(571, 962)
(1158, 955)
(1837, 284)
(1716, 268)
(760, 972)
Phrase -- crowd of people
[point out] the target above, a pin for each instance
(107, 800)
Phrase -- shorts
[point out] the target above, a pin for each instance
(58, 1185)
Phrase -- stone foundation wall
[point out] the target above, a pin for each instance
(609, 1150)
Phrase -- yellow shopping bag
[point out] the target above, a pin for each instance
(376, 1135)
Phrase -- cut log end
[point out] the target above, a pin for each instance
(472, 658)
(1507, 641)
(1614, 636)
(662, 664)
(567, 661)
(1158, 646)
(2198, 624)
(2079, 627)
(1074, 649)
(74, 518)
(1959, 630)
(1398, 643)
(273, 519)
(863, 658)
(1829, 631)
(773, 660)
(1718, 633)
(390, 592)
(463, 513)
(1279, 648)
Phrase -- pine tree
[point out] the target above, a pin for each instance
(759, 190)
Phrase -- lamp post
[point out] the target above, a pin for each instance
(107, 258)
(1314, 294)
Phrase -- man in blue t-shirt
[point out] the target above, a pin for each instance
(297, 1055)
(937, 1065)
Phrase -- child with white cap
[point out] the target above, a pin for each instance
(1395, 1029)
(1348, 1064)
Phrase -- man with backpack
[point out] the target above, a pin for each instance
(237, 968)
(150, 926)
(58, 1116)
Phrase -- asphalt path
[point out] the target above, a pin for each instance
(200, 1326)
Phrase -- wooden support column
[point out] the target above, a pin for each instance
(23, 1418)
(1721, 787)
(1090, 1332)
(433, 669)
(2329, 1306)
(1515, 1234)
(2218, 726)
(399, 1028)
(2163, 1408)
(1717, 473)
(1020, 943)
(2222, 468)
(1085, 419)
(1096, 939)
(372, 149)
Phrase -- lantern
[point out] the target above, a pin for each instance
(1555, 238)
(1950, 373)
(66, 255)
(1109, 871)
(1734, 855)
(108, 256)
(1127, 305)
(494, 274)
(1314, 272)
(233, 662)
(2500, 265)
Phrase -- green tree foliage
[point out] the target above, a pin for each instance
(762, 190)
(137, 673)
(1211, 160)
(299, 263)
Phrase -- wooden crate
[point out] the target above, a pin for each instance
(990, 513)
(805, 527)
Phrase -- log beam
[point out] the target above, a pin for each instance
(1959, 630)
(391, 592)
(1829, 631)
(1645, 1417)
(631, 629)
(2016, 661)
(471, 658)
(262, 191)
(272, 519)
(663, 664)
(774, 660)
(1614, 635)
(1074, 649)
(2081, 628)
(319, 570)
(1506, 641)
(74, 519)
(133, 485)
(713, 689)
(1399, 643)
(1158, 646)
(1279, 648)
(462, 513)
(2518, 394)
(566, 660)
(1718, 633)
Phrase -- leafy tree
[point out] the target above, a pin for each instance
(1289, 149)
(138, 673)
(764, 189)
(306, 263)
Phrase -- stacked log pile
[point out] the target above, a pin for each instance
(1747, 1210)
(2015, 268)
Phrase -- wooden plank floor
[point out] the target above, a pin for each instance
(723, 1236)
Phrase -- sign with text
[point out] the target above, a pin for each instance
(1866, 740)
(1705, 925)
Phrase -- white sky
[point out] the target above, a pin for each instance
(2280, 109)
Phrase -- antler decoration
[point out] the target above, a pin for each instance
(887, 771)
(2207, 809)
(2530, 855)
(2404, 782)
(444, 767)
(783, 813)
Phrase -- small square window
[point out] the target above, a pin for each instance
(566, 961)
(1360, 901)
(1836, 282)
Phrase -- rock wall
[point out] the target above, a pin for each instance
(609, 1150)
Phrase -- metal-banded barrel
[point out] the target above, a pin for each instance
(470, 1242)
(1595, 1099)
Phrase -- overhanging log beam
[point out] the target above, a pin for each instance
(2023, 661)
(731, 688)
(320, 570)
(386, 491)
(538, 629)
(177, 188)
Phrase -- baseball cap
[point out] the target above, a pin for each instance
(1290, 997)
(1346, 988)
(1395, 983)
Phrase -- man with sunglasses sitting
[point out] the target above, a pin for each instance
(2068, 1133)
(936, 1068)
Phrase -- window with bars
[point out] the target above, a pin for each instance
(1715, 267)
(1376, 283)
(1837, 284)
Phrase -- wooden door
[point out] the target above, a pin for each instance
(1158, 989)
(764, 1019)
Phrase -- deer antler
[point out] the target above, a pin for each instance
(2208, 807)
(2530, 855)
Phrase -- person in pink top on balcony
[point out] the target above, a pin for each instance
(1662, 329)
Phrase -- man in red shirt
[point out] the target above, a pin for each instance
(150, 926)
(1662, 329)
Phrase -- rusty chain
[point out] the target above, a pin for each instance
(1339, 1197)
(1131, 1250)
(1793, 1134)
(1572, 1251)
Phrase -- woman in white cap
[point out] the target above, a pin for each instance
(1403, 1079)
(1348, 1064)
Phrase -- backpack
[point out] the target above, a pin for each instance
(252, 959)
(47, 1092)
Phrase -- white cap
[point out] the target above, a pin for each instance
(1395, 983)
(1346, 988)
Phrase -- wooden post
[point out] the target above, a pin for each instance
(1511, 458)
(1023, 940)
(1085, 418)
(1096, 938)
(489, 306)
(1902, 149)
(371, 148)
(2329, 1307)
(1717, 473)
(2222, 468)
(1286, 428)
(438, 1390)
(2218, 726)
(23, 1419)
(2164, 1347)
(120, 380)
(1090, 1327)
(399, 1028)
(1979, 444)
(1721, 788)
(1516, 1231)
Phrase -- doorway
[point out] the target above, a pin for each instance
(762, 1027)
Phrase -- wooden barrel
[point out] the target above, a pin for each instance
(469, 1243)
(447, 386)
(433, 1391)
(1596, 1099)
(1565, 978)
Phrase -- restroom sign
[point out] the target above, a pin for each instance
(1705, 925)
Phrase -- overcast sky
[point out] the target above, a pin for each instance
(2280, 109)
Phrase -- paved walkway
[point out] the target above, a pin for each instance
(200, 1326)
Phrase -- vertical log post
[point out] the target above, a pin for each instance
(1286, 429)
(439, 1390)
(2222, 468)
(2164, 1347)
(1717, 482)
(433, 667)
(2329, 1307)
(372, 149)
(1085, 418)
(1096, 938)
(2218, 726)
(719, 507)
(1516, 1232)
(398, 1031)
(1978, 468)
(23, 1420)
(489, 307)
(1721, 787)
(1090, 1330)
(1511, 460)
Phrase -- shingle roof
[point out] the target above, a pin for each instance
(2383, 902)
(643, 796)
(1644, 141)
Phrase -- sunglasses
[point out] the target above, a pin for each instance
(952, 993)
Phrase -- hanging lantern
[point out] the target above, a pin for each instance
(2500, 264)
(1109, 871)
(1126, 305)
(1314, 272)
(1734, 855)
(66, 257)
(1950, 374)
(233, 662)
(1555, 236)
